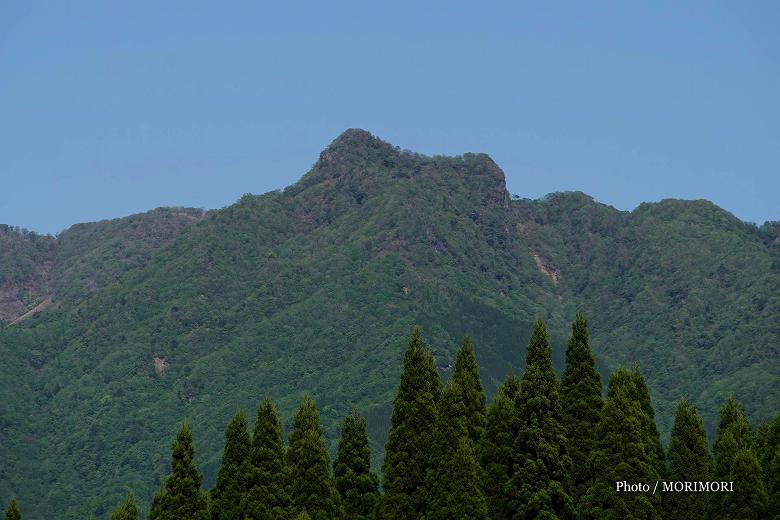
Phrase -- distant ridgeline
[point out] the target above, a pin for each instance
(544, 448)
(112, 332)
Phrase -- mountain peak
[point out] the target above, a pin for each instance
(354, 136)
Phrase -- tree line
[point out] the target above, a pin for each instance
(543, 449)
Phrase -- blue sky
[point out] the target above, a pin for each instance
(111, 108)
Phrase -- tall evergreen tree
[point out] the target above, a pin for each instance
(412, 427)
(312, 487)
(355, 482)
(455, 490)
(769, 457)
(181, 497)
(12, 512)
(495, 450)
(541, 479)
(127, 510)
(267, 496)
(581, 404)
(453, 487)
(621, 455)
(689, 461)
(650, 428)
(470, 391)
(231, 484)
(736, 461)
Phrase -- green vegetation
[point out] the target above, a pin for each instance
(312, 289)
(689, 461)
(621, 455)
(127, 510)
(181, 495)
(736, 461)
(495, 451)
(231, 485)
(356, 483)
(267, 496)
(12, 512)
(311, 486)
(457, 482)
(412, 433)
(541, 478)
(581, 404)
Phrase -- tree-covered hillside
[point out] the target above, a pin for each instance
(38, 271)
(312, 289)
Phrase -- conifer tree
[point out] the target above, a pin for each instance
(541, 478)
(355, 482)
(581, 404)
(769, 456)
(689, 461)
(652, 436)
(453, 486)
(127, 510)
(267, 496)
(231, 484)
(455, 490)
(412, 427)
(470, 391)
(496, 448)
(312, 488)
(181, 497)
(621, 455)
(12, 512)
(736, 461)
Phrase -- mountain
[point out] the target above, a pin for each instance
(37, 271)
(315, 288)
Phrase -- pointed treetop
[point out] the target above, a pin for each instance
(266, 495)
(237, 440)
(355, 482)
(689, 460)
(312, 488)
(12, 512)
(231, 483)
(467, 386)
(127, 510)
(539, 352)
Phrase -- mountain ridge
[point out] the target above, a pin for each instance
(313, 288)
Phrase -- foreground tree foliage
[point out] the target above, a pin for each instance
(267, 497)
(232, 477)
(495, 451)
(652, 437)
(127, 510)
(12, 512)
(453, 483)
(449, 457)
(355, 482)
(469, 391)
(736, 461)
(768, 438)
(541, 478)
(181, 496)
(312, 487)
(689, 461)
(621, 455)
(412, 427)
(581, 404)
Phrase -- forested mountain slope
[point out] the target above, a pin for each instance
(314, 288)
(37, 271)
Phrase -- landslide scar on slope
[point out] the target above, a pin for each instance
(547, 268)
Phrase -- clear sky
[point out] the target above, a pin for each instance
(111, 108)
